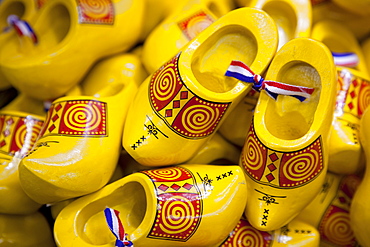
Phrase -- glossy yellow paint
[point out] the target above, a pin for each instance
(151, 134)
(285, 153)
(202, 214)
(72, 36)
(80, 146)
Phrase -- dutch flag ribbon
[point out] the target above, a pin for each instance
(345, 59)
(21, 27)
(242, 72)
(116, 227)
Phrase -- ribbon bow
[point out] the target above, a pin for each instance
(345, 59)
(21, 27)
(241, 71)
(116, 227)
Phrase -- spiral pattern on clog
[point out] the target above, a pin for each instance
(301, 166)
(177, 215)
(363, 97)
(164, 86)
(253, 154)
(197, 119)
(83, 117)
(95, 9)
(23, 132)
(197, 24)
(337, 229)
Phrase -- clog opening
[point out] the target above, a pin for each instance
(129, 200)
(285, 18)
(213, 57)
(54, 27)
(15, 8)
(287, 118)
(339, 46)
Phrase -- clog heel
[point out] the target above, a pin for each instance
(295, 233)
(81, 137)
(360, 208)
(284, 155)
(25, 230)
(20, 124)
(181, 105)
(345, 151)
(182, 25)
(47, 66)
(329, 211)
(186, 205)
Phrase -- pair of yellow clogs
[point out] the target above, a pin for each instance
(181, 105)
(49, 51)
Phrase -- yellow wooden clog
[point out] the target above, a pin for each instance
(20, 125)
(188, 205)
(72, 35)
(182, 104)
(296, 233)
(293, 17)
(79, 145)
(329, 211)
(345, 152)
(360, 206)
(285, 152)
(25, 231)
(182, 25)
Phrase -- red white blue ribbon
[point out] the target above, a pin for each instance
(242, 72)
(21, 27)
(345, 59)
(116, 227)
